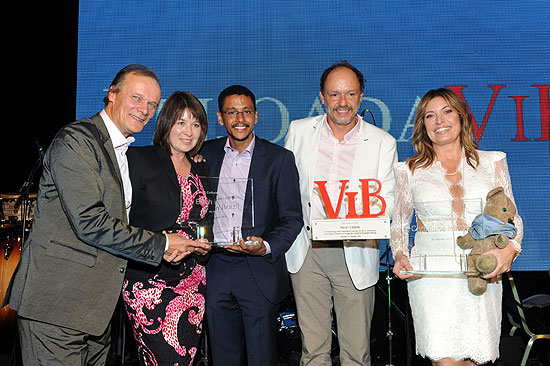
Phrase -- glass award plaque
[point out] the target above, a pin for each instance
(351, 213)
(431, 237)
(230, 209)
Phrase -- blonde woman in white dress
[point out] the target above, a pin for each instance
(452, 326)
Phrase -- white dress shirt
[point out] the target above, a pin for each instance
(121, 144)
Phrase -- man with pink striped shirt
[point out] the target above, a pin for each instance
(247, 282)
(337, 274)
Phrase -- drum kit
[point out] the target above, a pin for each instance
(16, 216)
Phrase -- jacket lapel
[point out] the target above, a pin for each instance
(111, 158)
(167, 166)
(215, 162)
(315, 136)
(108, 145)
(361, 162)
(256, 174)
(363, 165)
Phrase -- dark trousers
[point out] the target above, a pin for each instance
(47, 344)
(242, 323)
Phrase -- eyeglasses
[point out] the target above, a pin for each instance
(233, 113)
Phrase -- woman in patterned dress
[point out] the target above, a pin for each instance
(165, 304)
(452, 326)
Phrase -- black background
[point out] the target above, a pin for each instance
(40, 87)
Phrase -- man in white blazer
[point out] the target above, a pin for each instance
(341, 274)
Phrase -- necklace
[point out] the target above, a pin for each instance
(455, 177)
(458, 168)
(456, 171)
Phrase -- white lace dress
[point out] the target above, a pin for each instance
(449, 321)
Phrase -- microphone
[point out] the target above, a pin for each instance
(24, 190)
(372, 116)
(40, 151)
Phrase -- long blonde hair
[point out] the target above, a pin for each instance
(425, 153)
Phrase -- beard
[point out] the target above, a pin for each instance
(333, 115)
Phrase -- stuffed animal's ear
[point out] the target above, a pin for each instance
(494, 191)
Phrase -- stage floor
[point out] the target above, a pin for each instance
(511, 348)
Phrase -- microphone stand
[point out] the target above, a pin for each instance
(24, 195)
(24, 198)
(393, 307)
(389, 333)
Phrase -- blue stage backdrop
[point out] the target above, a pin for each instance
(496, 54)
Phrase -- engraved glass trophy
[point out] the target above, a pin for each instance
(231, 211)
(431, 237)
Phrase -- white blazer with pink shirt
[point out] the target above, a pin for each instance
(375, 156)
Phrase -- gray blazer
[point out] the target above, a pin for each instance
(72, 265)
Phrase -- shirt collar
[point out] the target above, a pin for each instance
(351, 134)
(249, 149)
(117, 138)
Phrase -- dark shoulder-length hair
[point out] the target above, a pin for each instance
(171, 111)
(425, 154)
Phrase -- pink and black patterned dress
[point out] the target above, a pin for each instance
(165, 304)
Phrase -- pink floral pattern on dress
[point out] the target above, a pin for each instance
(170, 301)
(188, 299)
(189, 197)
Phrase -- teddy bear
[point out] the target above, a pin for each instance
(492, 229)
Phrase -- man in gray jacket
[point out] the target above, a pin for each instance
(72, 266)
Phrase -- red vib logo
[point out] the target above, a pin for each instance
(366, 196)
